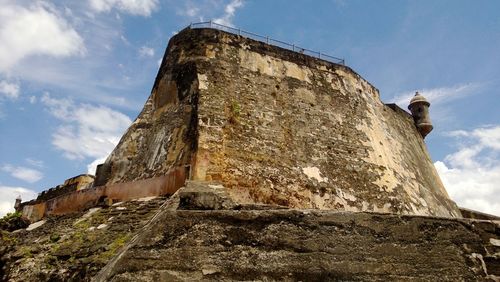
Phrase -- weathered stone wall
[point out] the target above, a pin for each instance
(82, 199)
(70, 185)
(56, 192)
(34, 211)
(278, 127)
(306, 245)
(81, 181)
(467, 213)
(163, 135)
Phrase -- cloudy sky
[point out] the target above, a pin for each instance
(74, 74)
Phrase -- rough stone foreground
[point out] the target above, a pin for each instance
(172, 241)
(307, 245)
(72, 247)
(310, 246)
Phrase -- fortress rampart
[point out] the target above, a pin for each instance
(274, 127)
(278, 127)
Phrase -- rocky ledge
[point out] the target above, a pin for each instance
(73, 247)
(200, 234)
(268, 244)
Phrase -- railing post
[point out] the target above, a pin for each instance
(210, 23)
(239, 32)
(293, 47)
(319, 54)
(267, 39)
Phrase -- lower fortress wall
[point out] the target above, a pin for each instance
(303, 245)
(80, 200)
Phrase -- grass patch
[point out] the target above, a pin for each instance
(26, 252)
(54, 238)
(113, 248)
(7, 239)
(235, 110)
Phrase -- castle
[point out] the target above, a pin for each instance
(307, 134)
(263, 136)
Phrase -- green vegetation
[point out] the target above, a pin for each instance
(11, 215)
(50, 261)
(26, 252)
(235, 112)
(235, 108)
(54, 238)
(13, 221)
(7, 239)
(67, 242)
(84, 224)
(85, 246)
(114, 247)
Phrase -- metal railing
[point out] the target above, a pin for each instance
(267, 40)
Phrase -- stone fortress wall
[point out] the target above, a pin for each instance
(67, 198)
(278, 127)
(274, 127)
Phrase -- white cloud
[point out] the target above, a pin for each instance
(229, 11)
(134, 7)
(145, 51)
(23, 173)
(34, 30)
(8, 197)
(124, 40)
(190, 9)
(472, 173)
(438, 95)
(60, 108)
(211, 9)
(9, 90)
(87, 131)
(72, 75)
(34, 162)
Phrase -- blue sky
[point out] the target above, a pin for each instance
(74, 75)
